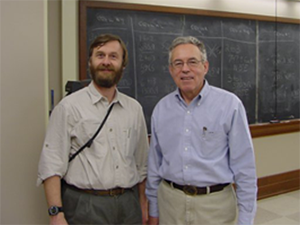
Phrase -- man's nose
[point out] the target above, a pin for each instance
(185, 67)
(106, 61)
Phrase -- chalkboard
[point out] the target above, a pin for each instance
(241, 53)
(279, 98)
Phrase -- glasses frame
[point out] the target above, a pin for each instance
(191, 63)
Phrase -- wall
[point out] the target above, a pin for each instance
(23, 110)
(54, 27)
(277, 154)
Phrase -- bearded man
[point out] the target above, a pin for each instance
(105, 183)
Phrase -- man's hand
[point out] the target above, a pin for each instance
(144, 208)
(153, 220)
(59, 219)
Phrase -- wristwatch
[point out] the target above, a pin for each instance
(54, 210)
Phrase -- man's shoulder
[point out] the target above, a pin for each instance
(166, 103)
(168, 97)
(223, 93)
(128, 101)
(219, 90)
(75, 98)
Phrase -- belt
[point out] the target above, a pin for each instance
(193, 190)
(109, 192)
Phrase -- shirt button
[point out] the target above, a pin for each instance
(185, 149)
(117, 167)
(188, 112)
(110, 129)
(186, 130)
(114, 148)
(186, 167)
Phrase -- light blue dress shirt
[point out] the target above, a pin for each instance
(204, 143)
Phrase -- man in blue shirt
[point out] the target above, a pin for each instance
(200, 145)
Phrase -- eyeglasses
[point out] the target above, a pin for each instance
(192, 63)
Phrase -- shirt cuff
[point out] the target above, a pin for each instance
(153, 210)
(39, 182)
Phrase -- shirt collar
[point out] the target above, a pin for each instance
(97, 97)
(204, 92)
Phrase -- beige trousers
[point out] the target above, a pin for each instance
(175, 207)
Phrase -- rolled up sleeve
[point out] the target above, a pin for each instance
(56, 147)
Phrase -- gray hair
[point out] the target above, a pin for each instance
(188, 40)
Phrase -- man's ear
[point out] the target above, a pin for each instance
(206, 66)
(170, 69)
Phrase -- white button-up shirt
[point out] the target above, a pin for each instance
(118, 155)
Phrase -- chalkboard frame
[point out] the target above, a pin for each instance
(257, 130)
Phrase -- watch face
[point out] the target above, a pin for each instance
(53, 210)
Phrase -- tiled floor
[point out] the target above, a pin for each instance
(281, 209)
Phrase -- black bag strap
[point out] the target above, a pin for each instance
(90, 142)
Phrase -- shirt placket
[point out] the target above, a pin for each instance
(112, 137)
(186, 151)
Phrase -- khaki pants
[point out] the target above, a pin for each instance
(175, 207)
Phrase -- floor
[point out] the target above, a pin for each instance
(281, 209)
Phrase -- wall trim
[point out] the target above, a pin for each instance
(278, 184)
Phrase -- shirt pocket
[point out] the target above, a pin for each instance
(214, 142)
(129, 141)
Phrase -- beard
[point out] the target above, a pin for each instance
(105, 79)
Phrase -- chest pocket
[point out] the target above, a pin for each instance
(214, 143)
(128, 141)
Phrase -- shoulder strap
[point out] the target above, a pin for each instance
(89, 143)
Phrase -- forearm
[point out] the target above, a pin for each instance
(143, 200)
(52, 187)
(142, 187)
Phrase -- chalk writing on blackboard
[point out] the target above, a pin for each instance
(240, 52)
